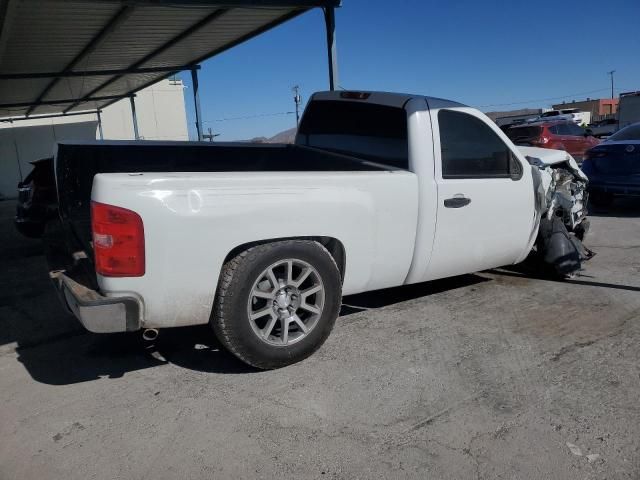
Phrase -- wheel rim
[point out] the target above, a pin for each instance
(286, 302)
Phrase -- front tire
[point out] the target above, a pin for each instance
(277, 303)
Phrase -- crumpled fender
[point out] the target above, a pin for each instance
(559, 249)
(560, 192)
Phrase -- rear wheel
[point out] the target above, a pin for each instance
(277, 303)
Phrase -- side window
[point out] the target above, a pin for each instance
(554, 129)
(471, 149)
(575, 130)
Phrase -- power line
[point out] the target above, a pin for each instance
(543, 99)
(246, 117)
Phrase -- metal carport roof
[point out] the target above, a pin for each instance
(62, 56)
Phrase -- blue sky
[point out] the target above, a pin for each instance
(483, 53)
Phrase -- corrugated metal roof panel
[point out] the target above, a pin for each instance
(58, 36)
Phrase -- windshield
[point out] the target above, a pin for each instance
(632, 132)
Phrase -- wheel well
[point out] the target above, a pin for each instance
(333, 246)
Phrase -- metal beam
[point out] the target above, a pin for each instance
(7, 9)
(330, 20)
(96, 73)
(62, 101)
(134, 117)
(196, 102)
(165, 46)
(120, 16)
(235, 3)
(49, 115)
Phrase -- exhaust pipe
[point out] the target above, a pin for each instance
(150, 334)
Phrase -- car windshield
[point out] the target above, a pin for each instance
(632, 132)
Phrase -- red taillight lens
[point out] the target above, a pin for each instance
(118, 241)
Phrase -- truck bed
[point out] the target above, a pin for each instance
(77, 164)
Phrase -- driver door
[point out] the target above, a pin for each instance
(486, 205)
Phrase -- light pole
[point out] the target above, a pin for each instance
(298, 99)
(611, 73)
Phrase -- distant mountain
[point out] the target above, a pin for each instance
(288, 136)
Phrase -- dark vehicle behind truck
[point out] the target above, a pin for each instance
(37, 199)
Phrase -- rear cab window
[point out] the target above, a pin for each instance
(374, 132)
(471, 149)
(524, 134)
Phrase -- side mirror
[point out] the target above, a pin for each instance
(588, 132)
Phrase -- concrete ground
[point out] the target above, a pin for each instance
(493, 375)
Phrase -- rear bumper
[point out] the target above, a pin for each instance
(97, 313)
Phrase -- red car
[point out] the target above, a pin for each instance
(559, 135)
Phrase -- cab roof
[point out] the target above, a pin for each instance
(390, 99)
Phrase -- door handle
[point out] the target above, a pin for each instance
(458, 201)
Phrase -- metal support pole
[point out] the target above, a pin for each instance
(297, 99)
(330, 20)
(611, 73)
(196, 101)
(100, 125)
(134, 117)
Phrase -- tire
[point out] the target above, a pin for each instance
(270, 326)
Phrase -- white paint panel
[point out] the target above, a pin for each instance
(192, 221)
(494, 229)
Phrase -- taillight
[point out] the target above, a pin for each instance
(355, 95)
(118, 241)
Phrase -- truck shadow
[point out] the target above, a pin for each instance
(85, 357)
(622, 207)
(56, 350)
(533, 269)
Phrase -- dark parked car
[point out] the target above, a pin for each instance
(604, 128)
(558, 135)
(37, 200)
(613, 167)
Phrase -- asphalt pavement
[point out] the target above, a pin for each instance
(500, 374)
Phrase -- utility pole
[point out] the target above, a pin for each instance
(210, 136)
(611, 73)
(298, 99)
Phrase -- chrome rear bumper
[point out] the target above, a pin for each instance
(97, 313)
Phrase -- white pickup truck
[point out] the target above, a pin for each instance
(262, 241)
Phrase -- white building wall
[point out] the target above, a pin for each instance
(161, 116)
(160, 110)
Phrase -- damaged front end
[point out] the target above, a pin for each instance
(561, 205)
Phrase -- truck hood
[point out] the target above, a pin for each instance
(547, 157)
(561, 202)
